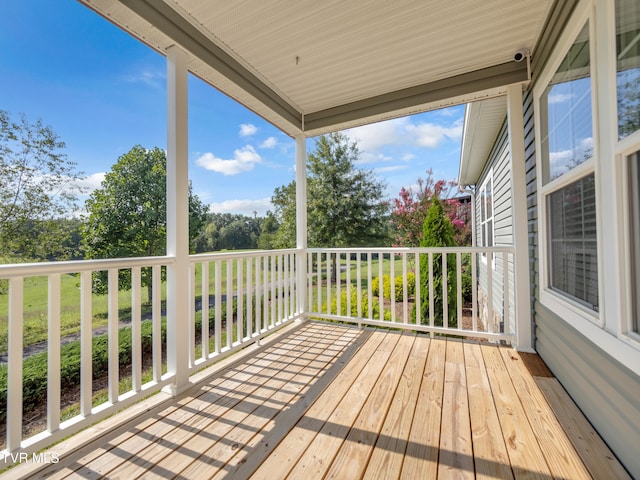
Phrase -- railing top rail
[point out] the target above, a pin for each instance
(75, 266)
(501, 249)
(205, 257)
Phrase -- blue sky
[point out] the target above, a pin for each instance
(103, 92)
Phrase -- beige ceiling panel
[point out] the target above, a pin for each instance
(316, 55)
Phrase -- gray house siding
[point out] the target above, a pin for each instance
(498, 163)
(604, 389)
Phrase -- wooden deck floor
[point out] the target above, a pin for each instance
(328, 401)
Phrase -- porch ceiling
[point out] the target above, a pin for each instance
(314, 67)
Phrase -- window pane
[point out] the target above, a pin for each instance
(634, 184)
(489, 198)
(490, 233)
(628, 65)
(567, 139)
(573, 245)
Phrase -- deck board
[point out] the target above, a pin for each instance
(563, 461)
(329, 401)
(388, 453)
(456, 452)
(526, 457)
(352, 459)
(490, 453)
(322, 450)
(421, 456)
(595, 454)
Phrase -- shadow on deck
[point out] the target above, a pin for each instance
(327, 401)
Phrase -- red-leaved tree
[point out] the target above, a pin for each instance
(410, 210)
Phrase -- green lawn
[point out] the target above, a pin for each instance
(35, 299)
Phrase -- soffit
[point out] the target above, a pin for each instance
(331, 61)
(482, 123)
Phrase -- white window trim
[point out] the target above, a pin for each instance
(615, 336)
(483, 201)
(562, 305)
(624, 148)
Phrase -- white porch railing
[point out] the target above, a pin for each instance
(473, 298)
(84, 270)
(236, 299)
(243, 296)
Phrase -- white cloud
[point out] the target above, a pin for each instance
(403, 134)
(393, 168)
(244, 160)
(431, 135)
(449, 112)
(366, 157)
(270, 142)
(247, 129)
(82, 187)
(246, 207)
(154, 79)
(91, 182)
(559, 98)
(564, 160)
(372, 137)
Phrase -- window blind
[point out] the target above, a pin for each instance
(573, 241)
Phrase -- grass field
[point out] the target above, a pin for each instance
(36, 293)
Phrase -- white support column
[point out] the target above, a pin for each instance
(301, 222)
(178, 302)
(522, 311)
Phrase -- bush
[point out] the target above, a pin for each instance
(353, 292)
(399, 286)
(35, 367)
(375, 285)
(437, 232)
(467, 287)
(386, 287)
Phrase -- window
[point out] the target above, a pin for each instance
(486, 213)
(628, 96)
(587, 121)
(572, 237)
(566, 126)
(628, 66)
(568, 140)
(634, 204)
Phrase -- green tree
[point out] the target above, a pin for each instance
(437, 232)
(127, 215)
(38, 188)
(207, 241)
(238, 235)
(345, 206)
(284, 201)
(268, 232)
(628, 101)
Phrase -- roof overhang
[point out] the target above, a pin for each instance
(482, 123)
(313, 67)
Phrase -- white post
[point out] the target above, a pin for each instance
(178, 301)
(301, 223)
(14, 365)
(522, 311)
